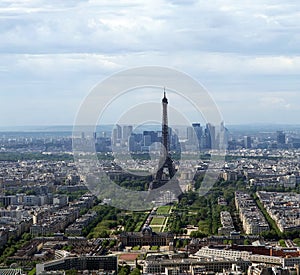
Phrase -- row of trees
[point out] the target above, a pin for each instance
(126, 270)
(12, 246)
(17, 156)
(109, 218)
(196, 210)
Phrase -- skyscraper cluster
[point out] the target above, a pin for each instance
(211, 137)
(195, 137)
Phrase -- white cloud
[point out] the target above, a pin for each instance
(274, 102)
(132, 26)
(237, 48)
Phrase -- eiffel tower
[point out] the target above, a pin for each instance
(165, 162)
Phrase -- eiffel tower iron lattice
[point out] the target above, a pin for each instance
(165, 179)
(165, 161)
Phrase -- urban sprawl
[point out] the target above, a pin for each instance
(248, 222)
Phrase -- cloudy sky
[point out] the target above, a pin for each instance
(245, 53)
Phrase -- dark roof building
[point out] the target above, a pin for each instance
(146, 237)
(105, 263)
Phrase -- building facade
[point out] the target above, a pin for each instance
(145, 237)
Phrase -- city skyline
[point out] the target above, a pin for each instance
(245, 54)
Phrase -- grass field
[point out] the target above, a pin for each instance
(297, 241)
(157, 221)
(156, 228)
(163, 210)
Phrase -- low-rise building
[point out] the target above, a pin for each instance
(146, 237)
(104, 263)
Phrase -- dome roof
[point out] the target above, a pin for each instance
(147, 230)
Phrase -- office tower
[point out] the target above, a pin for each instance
(223, 137)
(127, 130)
(210, 135)
(198, 130)
(247, 142)
(153, 135)
(280, 138)
(190, 135)
(116, 134)
(174, 142)
(119, 131)
(147, 140)
(131, 143)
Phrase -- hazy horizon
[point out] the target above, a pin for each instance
(69, 128)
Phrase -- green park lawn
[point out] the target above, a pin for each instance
(156, 228)
(157, 221)
(163, 210)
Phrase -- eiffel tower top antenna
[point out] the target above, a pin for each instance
(165, 100)
(165, 127)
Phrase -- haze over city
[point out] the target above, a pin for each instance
(245, 54)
